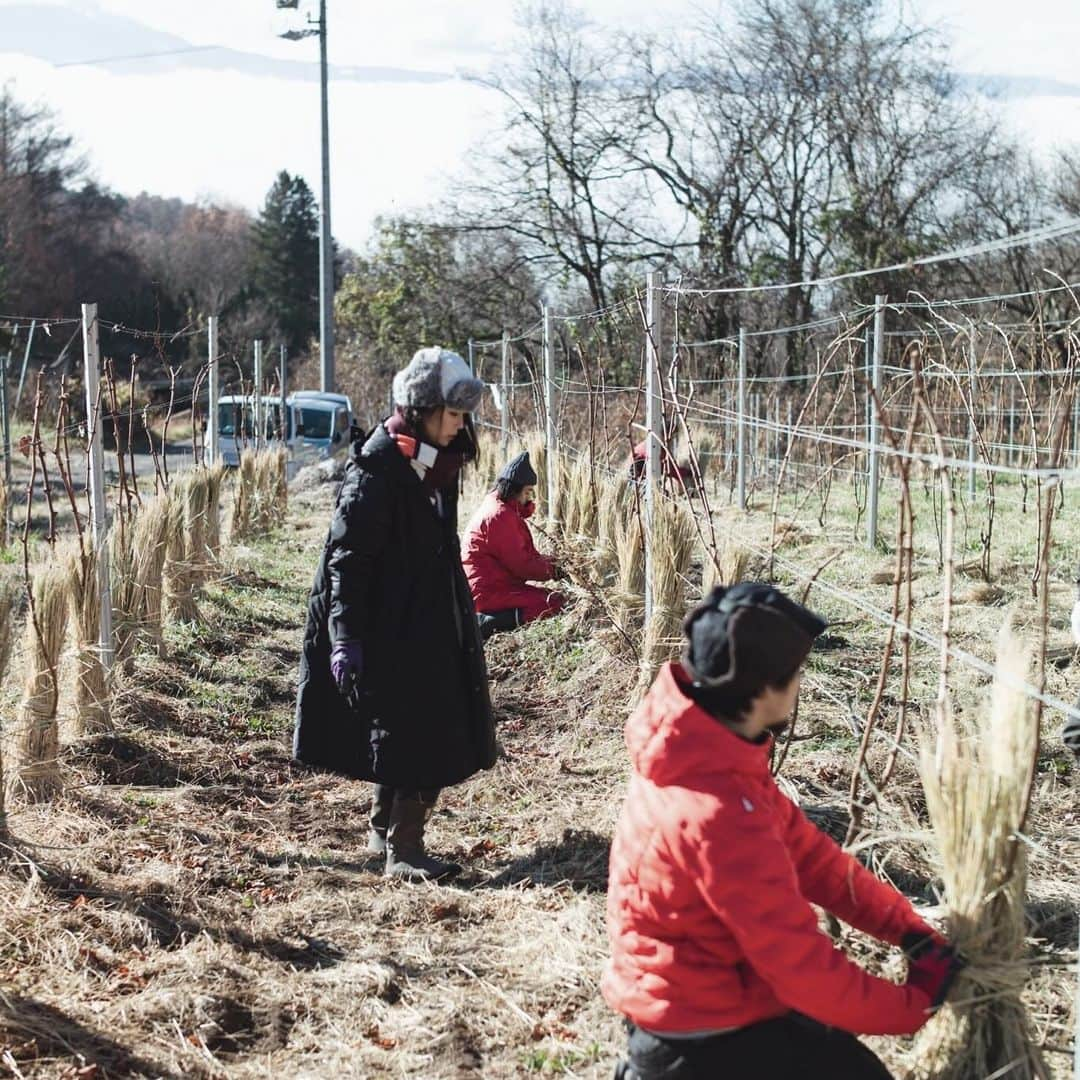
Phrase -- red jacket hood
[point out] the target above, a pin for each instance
(672, 740)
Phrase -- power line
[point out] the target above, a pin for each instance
(136, 56)
(1032, 236)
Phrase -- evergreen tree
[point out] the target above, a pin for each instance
(286, 259)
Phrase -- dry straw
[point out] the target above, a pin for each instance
(629, 599)
(150, 540)
(261, 492)
(728, 568)
(976, 780)
(673, 536)
(91, 689)
(215, 478)
(8, 607)
(186, 561)
(38, 773)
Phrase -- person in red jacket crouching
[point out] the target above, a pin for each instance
(500, 557)
(718, 963)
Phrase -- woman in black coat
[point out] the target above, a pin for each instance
(393, 686)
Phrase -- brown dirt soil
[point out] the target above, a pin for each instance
(193, 905)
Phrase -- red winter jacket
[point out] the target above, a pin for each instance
(499, 555)
(713, 873)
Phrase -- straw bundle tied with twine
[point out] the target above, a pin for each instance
(244, 497)
(150, 534)
(977, 788)
(729, 567)
(261, 492)
(186, 562)
(91, 691)
(215, 478)
(8, 604)
(138, 563)
(673, 538)
(38, 773)
(630, 579)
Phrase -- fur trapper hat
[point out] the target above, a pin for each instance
(746, 636)
(436, 377)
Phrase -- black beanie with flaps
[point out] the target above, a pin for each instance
(519, 471)
(744, 638)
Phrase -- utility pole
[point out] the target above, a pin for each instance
(326, 243)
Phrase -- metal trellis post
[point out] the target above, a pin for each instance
(874, 465)
(5, 432)
(740, 425)
(99, 523)
(504, 395)
(257, 396)
(283, 389)
(25, 362)
(971, 418)
(550, 432)
(653, 424)
(212, 437)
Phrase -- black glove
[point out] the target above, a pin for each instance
(933, 965)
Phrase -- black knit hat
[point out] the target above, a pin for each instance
(519, 471)
(745, 637)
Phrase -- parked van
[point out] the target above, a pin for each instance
(315, 426)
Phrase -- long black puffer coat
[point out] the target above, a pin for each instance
(390, 576)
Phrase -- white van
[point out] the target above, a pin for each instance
(315, 426)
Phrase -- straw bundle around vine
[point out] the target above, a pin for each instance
(581, 499)
(9, 599)
(630, 579)
(609, 507)
(91, 688)
(977, 789)
(37, 771)
(185, 552)
(126, 592)
(673, 538)
(244, 496)
(729, 567)
(261, 492)
(215, 478)
(150, 541)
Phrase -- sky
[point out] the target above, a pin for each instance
(218, 124)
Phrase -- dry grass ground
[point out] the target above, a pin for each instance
(193, 906)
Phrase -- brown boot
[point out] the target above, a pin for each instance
(405, 854)
(382, 802)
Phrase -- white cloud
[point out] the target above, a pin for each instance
(225, 135)
(192, 133)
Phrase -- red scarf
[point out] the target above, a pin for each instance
(440, 476)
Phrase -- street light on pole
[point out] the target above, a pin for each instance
(317, 27)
